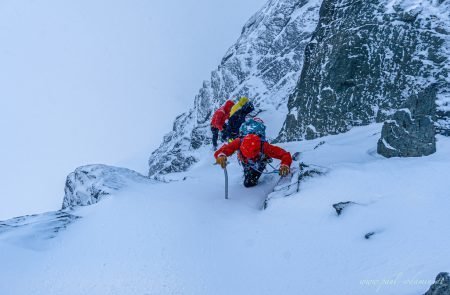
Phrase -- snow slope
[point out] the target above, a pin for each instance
(183, 237)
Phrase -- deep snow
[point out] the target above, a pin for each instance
(183, 237)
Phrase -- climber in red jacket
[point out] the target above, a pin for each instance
(254, 154)
(218, 120)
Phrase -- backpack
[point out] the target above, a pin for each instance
(253, 126)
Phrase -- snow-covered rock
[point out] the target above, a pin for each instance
(87, 185)
(264, 65)
(411, 132)
(442, 26)
(366, 60)
(441, 286)
(29, 231)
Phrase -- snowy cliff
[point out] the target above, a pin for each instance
(264, 64)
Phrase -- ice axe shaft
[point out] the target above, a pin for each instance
(226, 182)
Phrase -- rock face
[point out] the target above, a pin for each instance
(443, 102)
(264, 65)
(366, 60)
(441, 286)
(411, 132)
(87, 185)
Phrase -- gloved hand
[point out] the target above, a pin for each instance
(284, 170)
(222, 161)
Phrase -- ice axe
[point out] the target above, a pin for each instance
(226, 181)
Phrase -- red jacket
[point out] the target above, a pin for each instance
(221, 115)
(269, 150)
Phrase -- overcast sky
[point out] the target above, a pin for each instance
(98, 81)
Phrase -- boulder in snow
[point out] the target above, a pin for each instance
(411, 132)
(369, 235)
(339, 207)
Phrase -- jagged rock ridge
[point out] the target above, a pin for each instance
(264, 65)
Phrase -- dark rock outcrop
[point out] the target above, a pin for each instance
(339, 207)
(441, 286)
(87, 185)
(366, 60)
(264, 65)
(411, 132)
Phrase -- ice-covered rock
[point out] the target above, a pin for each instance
(89, 184)
(264, 65)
